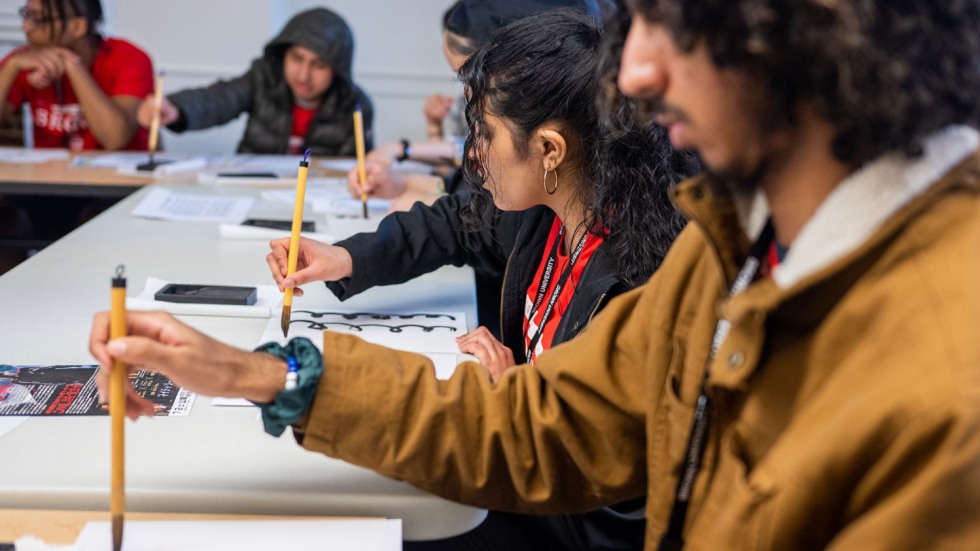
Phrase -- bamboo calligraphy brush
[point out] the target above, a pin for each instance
(117, 409)
(154, 138)
(293, 257)
(359, 148)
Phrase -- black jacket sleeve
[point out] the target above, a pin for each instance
(213, 105)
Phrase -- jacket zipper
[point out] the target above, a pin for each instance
(503, 286)
(595, 310)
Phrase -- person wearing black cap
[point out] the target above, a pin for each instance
(300, 94)
(466, 25)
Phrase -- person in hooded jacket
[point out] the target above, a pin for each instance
(299, 94)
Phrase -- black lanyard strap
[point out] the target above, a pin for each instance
(548, 268)
(673, 539)
(543, 288)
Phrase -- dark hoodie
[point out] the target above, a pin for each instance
(262, 93)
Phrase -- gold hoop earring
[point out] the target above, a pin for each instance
(554, 189)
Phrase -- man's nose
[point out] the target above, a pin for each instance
(641, 71)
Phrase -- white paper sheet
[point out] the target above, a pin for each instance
(259, 535)
(125, 162)
(121, 159)
(339, 164)
(348, 206)
(315, 188)
(218, 401)
(344, 226)
(268, 300)
(163, 204)
(172, 167)
(422, 331)
(445, 364)
(238, 231)
(240, 177)
(31, 543)
(19, 155)
(288, 165)
(404, 166)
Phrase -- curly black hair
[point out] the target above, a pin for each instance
(652, 227)
(550, 67)
(885, 73)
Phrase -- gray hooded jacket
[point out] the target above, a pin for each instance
(262, 92)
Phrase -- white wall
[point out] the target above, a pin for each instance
(397, 59)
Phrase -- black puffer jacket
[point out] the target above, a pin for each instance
(263, 94)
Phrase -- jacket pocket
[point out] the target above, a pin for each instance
(739, 506)
(667, 438)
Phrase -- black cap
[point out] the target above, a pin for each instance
(479, 19)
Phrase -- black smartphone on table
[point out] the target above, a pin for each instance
(207, 294)
(307, 225)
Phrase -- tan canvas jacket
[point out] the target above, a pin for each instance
(846, 398)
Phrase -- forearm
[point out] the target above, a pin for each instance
(112, 125)
(409, 244)
(433, 152)
(469, 440)
(8, 73)
(215, 104)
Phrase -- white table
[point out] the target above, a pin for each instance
(217, 460)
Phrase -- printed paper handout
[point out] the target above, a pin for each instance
(186, 207)
(70, 390)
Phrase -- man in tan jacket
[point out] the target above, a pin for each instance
(803, 372)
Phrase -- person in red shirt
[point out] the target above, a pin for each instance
(83, 89)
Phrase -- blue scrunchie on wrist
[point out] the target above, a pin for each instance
(291, 404)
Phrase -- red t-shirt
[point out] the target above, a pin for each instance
(301, 124)
(532, 322)
(119, 69)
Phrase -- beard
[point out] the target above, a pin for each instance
(737, 182)
(744, 177)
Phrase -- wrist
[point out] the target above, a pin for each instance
(347, 261)
(290, 405)
(262, 377)
(406, 150)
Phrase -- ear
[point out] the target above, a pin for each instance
(76, 28)
(549, 139)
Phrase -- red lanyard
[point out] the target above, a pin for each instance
(543, 287)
